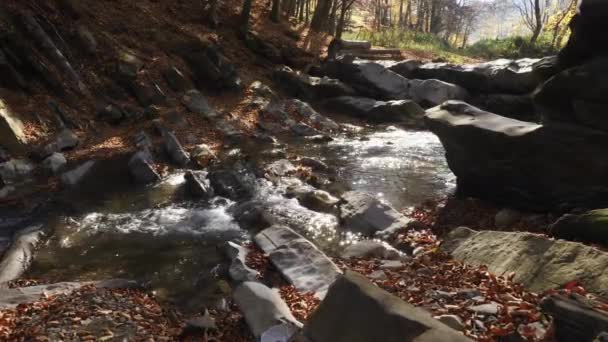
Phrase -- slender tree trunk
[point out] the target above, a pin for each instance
(321, 15)
(275, 12)
(342, 19)
(538, 17)
(245, 14)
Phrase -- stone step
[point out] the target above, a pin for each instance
(300, 262)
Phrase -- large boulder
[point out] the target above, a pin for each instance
(370, 79)
(365, 214)
(309, 87)
(522, 164)
(406, 111)
(501, 76)
(356, 310)
(141, 168)
(75, 176)
(519, 107)
(435, 92)
(584, 42)
(591, 226)
(209, 66)
(304, 110)
(577, 95)
(300, 262)
(539, 263)
(12, 135)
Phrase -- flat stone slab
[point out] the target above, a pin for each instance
(300, 262)
(539, 263)
(19, 255)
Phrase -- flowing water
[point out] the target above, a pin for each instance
(159, 236)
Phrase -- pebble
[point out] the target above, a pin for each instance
(485, 309)
(452, 321)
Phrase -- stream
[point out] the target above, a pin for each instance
(171, 243)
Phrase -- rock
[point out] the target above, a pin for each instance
(148, 94)
(12, 136)
(405, 68)
(65, 140)
(198, 185)
(17, 259)
(210, 67)
(142, 169)
(369, 79)
(73, 177)
(238, 270)
(197, 103)
(109, 112)
(538, 262)
(128, 67)
(302, 129)
(490, 309)
(506, 218)
(300, 262)
(391, 264)
(319, 200)
(451, 321)
(230, 184)
(576, 95)
(262, 307)
(363, 213)
(309, 87)
(202, 154)
(583, 44)
(519, 107)
(152, 112)
(371, 249)
(435, 92)
(263, 48)
(590, 227)
(202, 323)
(378, 111)
(6, 191)
(176, 80)
(355, 310)
(501, 76)
(521, 164)
(574, 320)
(305, 110)
(86, 39)
(314, 164)
(55, 162)
(15, 171)
(175, 150)
(280, 168)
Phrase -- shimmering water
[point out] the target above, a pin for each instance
(159, 236)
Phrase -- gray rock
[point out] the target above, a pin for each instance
(300, 262)
(435, 92)
(302, 129)
(230, 184)
(176, 80)
(65, 140)
(17, 259)
(451, 321)
(538, 262)
(202, 154)
(370, 79)
(490, 309)
(210, 67)
(238, 269)
(6, 191)
(405, 68)
(175, 150)
(55, 162)
(319, 200)
(141, 168)
(148, 93)
(262, 307)
(574, 320)
(73, 177)
(202, 323)
(505, 218)
(12, 135)
(87, 39)
(371, 249)
(198, 184)
(406, 111)
(519, 107)
(197, 103)
(500, 76)
(355, 310)
(521, 164)
(306, 111)
(280, 168)
(308, 87)
(15, 171)
(109, 112)
(363, 213)
(391, 264)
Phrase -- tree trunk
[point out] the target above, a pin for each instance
(321, 15)
(538, 16)
(275, 12)
(245, 14)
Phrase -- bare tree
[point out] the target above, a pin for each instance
(535, 14)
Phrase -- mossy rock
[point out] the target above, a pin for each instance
(591, 227)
